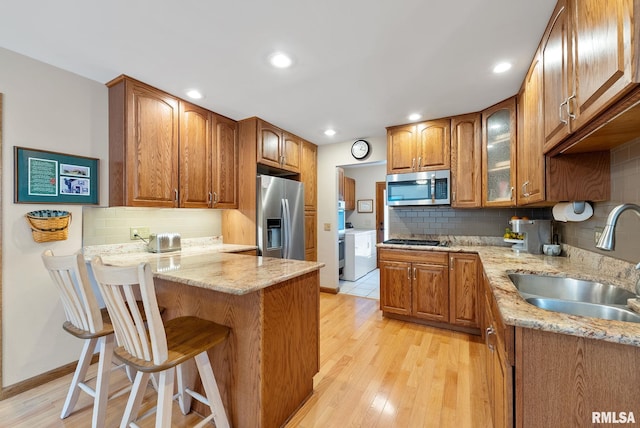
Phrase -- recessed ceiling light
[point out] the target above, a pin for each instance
(194, 94)
(280, 60)
(415, 116)
(330, 132)
(502, 67)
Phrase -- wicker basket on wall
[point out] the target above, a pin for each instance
(49, 225)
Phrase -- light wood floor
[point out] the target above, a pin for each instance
(374, 372)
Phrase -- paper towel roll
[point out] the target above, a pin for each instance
(564, 212)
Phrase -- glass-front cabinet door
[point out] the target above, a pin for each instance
(499, 154)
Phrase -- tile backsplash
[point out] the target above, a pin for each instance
(444, 220)
(111, 225)
(625, 188)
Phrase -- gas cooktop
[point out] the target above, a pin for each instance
(428, 242)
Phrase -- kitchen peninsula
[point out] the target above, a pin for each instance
(265, 369)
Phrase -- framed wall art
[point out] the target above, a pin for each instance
(49, 177)
(365, 205)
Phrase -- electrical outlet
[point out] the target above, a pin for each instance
(140, 231)
(327, 227)
(597, 233)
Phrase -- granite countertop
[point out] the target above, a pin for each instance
(498, 261)
(211, 266)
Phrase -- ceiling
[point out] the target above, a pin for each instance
(359, 65)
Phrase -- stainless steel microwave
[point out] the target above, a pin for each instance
(419, 188)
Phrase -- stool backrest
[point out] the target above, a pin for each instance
(70, 275)
(142, 335)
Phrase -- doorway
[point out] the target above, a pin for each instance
(374, 221)
(381, 212)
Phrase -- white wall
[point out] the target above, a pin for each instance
(50, 109)
(330, 156)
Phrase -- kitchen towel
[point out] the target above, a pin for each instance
(564, 212)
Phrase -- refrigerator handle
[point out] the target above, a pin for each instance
(286, 220)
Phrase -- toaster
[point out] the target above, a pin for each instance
(164, 242)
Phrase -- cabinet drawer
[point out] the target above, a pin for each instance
(412, 256)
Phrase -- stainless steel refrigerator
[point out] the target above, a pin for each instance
(280, 217)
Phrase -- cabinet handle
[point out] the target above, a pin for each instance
(490, 331)
(511, 190)
(451, 263)
(562, 119)
(409, 273)
(215, 198)
(414, 274)
(569, 109)
(524, 189)
(419, 162)
(175, 196)
(210, 199)
(413, 163)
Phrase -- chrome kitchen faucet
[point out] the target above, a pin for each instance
(607, 241)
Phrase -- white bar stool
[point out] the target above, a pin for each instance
(162, 347)
(84, 321)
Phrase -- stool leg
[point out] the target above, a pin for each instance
(165, 398)
(211, 390)
(186, 378)
(78, 377)
(106, 345)
(135, 399)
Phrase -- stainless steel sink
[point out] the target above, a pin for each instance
(575, 296)
(570, 289)
(585, 309)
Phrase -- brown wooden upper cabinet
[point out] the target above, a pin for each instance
(225, 162)
(208, 159)
(166, 152)
(143, 145)
(195, 157)
(499, 154)
(309, 175)
(423, 146)
(588, 55)
(530, 170)
(349, 193)
(466, 161)
(278, 148)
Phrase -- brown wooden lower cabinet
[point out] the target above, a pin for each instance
(543, 379)
(464, 275)
(564, 381)
(430, 286)
(310, 248)
(499, 342)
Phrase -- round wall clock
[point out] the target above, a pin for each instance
(360, 149)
